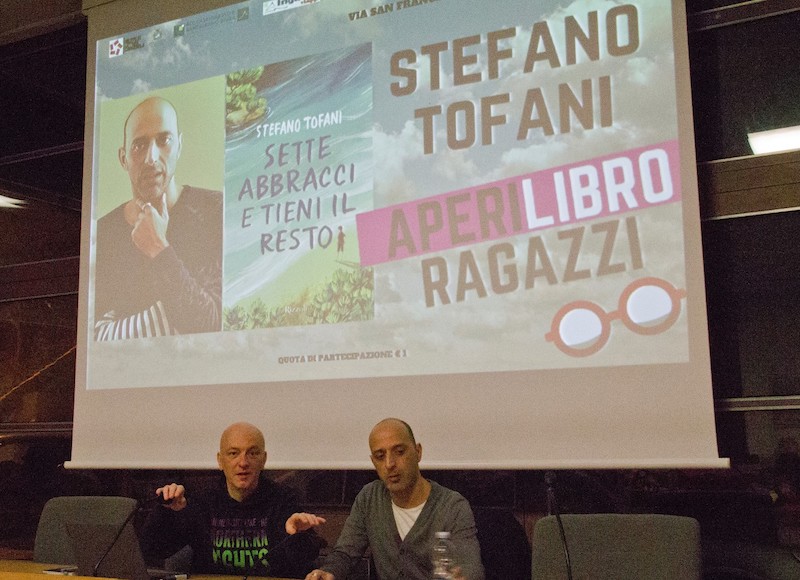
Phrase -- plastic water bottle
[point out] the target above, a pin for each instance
(442, 557)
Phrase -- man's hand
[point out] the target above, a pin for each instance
(173, 493)
(149, 233)
(302, 521)
(320, 575)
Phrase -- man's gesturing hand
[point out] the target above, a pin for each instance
(174, 494)
(300, 522)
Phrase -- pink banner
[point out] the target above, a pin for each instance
(615, 184)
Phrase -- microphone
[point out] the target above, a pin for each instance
(552, 509)
(128, 519)
(157, 499)
(550, 482)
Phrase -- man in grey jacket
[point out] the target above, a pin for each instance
(398, 516)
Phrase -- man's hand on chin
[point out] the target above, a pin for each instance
(149, 233)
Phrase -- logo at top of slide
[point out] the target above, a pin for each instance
(272, 6)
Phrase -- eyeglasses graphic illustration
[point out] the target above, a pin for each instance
(646, 306)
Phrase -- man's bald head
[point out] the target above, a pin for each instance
(241, 429)
(151, 105)
(398, 423)
(241, 457)
(151, 148)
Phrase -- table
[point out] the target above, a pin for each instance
(28, 570)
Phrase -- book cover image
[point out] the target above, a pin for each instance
(298, 169)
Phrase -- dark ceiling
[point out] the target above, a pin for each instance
(42, 96)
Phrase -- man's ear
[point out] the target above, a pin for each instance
(219, 459)
(419, 451)
(122, 158)
(180, 143)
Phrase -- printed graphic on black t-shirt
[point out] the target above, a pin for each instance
(240, 543)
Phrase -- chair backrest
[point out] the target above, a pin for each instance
(618, 547)
(53, 544)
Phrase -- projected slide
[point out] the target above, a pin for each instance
(341, 189)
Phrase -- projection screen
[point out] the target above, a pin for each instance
(480, 217)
